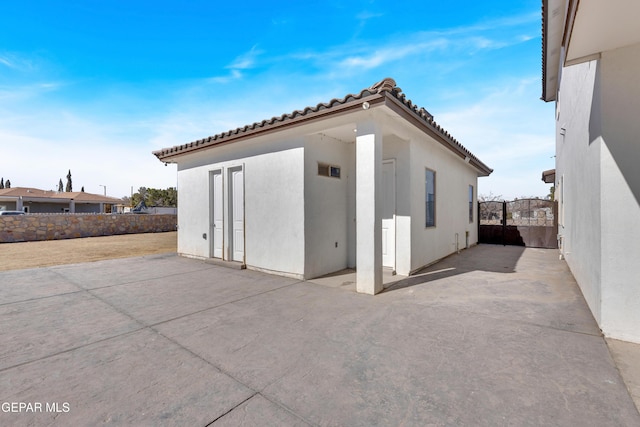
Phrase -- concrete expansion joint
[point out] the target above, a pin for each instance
(257, 393)
(68, 350)
(233, 408)
(41, 298)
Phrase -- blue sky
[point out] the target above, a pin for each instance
(96, 86)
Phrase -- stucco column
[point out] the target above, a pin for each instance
(368, 208)
(72, 206)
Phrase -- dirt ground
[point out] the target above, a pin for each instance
(14, 256)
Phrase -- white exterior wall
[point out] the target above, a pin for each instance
(620, 208)
(578, 116)
(597, 161)
(453, 177)
(328, 236)
(274, 207)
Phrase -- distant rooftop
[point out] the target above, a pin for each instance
(77, 196)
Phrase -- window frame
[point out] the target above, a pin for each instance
(432, 223)
(329, 170)
(471, 209)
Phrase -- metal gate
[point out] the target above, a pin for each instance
(524, 222)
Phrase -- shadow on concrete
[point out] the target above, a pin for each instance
(483, 257)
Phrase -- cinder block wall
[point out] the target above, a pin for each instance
(28, 228)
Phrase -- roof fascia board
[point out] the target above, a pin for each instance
(545, 47)
(299, 120)
(403, 111)
(555, 22)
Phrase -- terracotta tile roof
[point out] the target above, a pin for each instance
(549, 176)
(77, 196)
(384, 92)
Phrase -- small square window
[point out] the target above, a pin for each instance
(328, 170)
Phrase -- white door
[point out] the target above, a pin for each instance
(217, 224)
(236, 198)
(389, 213)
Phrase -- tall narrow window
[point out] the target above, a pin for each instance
(561, 201)
(471, 203)
(430, 198)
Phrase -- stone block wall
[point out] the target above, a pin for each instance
(28, 228)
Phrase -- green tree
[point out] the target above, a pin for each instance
(1, 183)
(60, 186)
(69, 187)
(139, 196)
(155, 197)
(7, 184)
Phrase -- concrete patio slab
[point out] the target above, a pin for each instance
(627, 358)
(258, 411)
(126, 270)
(161, 299)
(139, 379)
(39, 283)
(492, 336)
(46, 326)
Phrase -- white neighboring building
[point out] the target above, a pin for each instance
(368, 181)
(591, 68)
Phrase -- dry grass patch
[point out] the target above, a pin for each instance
(14, 256)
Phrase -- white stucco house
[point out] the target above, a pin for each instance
(369, 182)
(591, 69)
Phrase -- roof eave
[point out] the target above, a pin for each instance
(430, 127)
(554, 20)
(384, 93)
(264, 128)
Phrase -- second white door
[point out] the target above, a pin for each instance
(236, 200)
(389, 213)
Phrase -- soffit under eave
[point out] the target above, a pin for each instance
(553, 25)
(598, 26)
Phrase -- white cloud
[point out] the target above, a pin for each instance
(233, 75)
(436, 46)
(510, 130)
(246, 60)
(18, 62)
(389, 53)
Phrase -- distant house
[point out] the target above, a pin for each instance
(591, 69)
(33, 200)
(369, 182)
